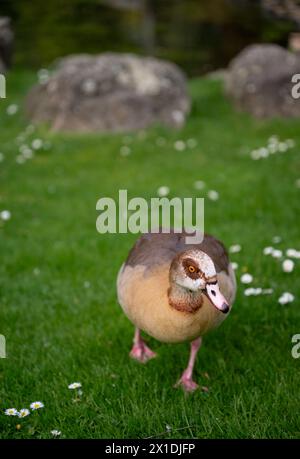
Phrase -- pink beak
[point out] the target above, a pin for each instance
(215, 296)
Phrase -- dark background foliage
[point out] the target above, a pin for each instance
(198, 35)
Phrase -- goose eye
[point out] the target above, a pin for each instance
(192, 269)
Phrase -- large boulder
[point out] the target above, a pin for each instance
(259, 81)
(110, 92)
(6, 43)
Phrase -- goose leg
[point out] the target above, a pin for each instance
(140, 350)
(186, 380)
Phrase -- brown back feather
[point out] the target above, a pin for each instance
(153, 249)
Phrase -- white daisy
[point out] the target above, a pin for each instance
(255, 155)
(288, 265)
(55, 433)
(273, 148)
(213, 195)
(276, 253)
(191, 143)
(276, 239)
(12, 109)
(268, 250)
(36, 405)
(125, 150)
(234, 265)
(23, 413)
(179, 145)
(253, 291)
(5, 215)
(74, 385)
(163, 191)
(282, 147)
(246, 278)
(290, 143)
(199, 185)
(235, 248)
(286, 298)
(292, 253)
(11, 412)
(28, 153)
(273, 139)
(263, 152)
(37, 144)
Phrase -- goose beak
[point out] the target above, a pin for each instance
(213, 293)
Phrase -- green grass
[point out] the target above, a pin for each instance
(58, 331)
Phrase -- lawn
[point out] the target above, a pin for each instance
(59, 311)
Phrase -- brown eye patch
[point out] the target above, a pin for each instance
(191, 268)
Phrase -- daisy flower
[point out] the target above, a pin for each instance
(213, 195)
(191, 143)
(125, 150)
(253, 291)
(23, 413)
(199, 185)
(5, 215)
(268, 250)
(37, 144)
(179, 145)
(276, 239)
(11, 412)
(55, 433)
(12, 109)
(74, 385)
(163, 191)
(288, 266)
(36, 405)
(246, 278)
(286, 298)
(235, 248)
(293, 253)
(276, 253)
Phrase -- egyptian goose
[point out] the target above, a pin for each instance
(175, 292)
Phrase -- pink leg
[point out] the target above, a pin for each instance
(186, 380)
(140, 350)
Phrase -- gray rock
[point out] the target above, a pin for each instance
(6, 43)
(110, 92)
(259, 81)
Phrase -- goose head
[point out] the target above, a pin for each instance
(194, 272)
